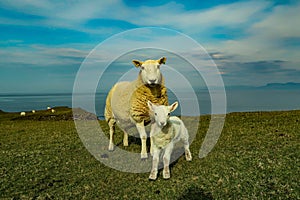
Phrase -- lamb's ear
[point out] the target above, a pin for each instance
(162, 60)
(150, 105)
(137, 63)
(173, 106)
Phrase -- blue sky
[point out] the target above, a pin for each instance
(43, 43)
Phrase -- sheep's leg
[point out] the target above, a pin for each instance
(143, 135)
(185, 139)
(111, 125)
(155, 161)
(167, 156)
(125, 139)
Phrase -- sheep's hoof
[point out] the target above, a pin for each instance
(125, 144)
(144, 156)
(110, 147)
(144, 159)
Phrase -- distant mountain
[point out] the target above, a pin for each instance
(289, 85)
(277, 86)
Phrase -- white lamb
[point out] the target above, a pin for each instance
(126, 103)
(22, 113)
(166, 132)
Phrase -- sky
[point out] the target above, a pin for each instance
(44, 43)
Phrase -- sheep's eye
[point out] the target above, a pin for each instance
(155, 114)
(157, 66)
(168, 114)
(142, 67)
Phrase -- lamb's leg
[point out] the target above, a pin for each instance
(111, 125)
(151, 146)
(155, 161)
(167, 155)
(143, 135)
(151, 138)
(185, 139)
(188, 154)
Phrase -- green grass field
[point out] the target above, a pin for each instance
(256, 157)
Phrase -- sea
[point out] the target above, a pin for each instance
(200, 103)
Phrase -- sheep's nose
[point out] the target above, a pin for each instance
(152, 81)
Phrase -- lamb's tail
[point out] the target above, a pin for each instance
(108, 113)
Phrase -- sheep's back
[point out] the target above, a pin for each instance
(120, 101)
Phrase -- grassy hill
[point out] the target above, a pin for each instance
(256, 157)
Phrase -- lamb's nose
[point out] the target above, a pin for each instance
(162, 123)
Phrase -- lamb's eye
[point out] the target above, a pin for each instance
(168, 114)
(142, 67)
(155, 114)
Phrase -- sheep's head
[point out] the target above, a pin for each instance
(161, 112)
(150, 70)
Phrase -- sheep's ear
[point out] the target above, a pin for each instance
(150, 105)
(162, 60)
(173, 106)
(137, 63)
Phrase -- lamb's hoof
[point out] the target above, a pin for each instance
(189, 159)
(188, 156)
(166, 174)
(125, 144)
(153, 176)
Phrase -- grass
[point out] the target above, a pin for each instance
(256, 157)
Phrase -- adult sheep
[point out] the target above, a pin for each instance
(126, 103)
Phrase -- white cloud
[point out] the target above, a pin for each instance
(283, 21)
(75, 13)
(260, 30)
(37, 56)
(261, 27)
(265, 39)
(64, 14)
(174, 15)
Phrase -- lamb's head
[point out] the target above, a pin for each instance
(161, 112)
(150, 70)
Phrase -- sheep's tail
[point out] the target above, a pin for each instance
(108, 114)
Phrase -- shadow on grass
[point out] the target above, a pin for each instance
(196, 193)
